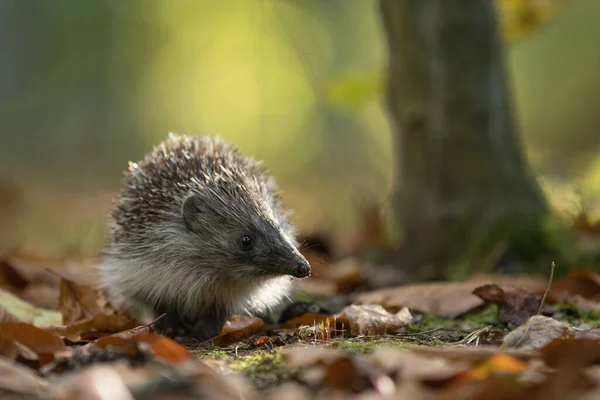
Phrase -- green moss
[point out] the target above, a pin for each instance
(266, 367)
(210, 354)
(367, 346)
(574, 315)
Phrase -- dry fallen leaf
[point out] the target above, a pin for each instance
(372, 319)
(498, 364)
(571, 353)
(536, 332)
(164, 347)
(516, 304)
(94, 328)
(238, 327)
(583, 283)
(447, 299)
(43, 343)
(344, 374)
(78, 301)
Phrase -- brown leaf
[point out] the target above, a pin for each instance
(237, 328)
(516, 304)
(372, 319)
(343, 374)
(130, 333)
(129, 347)
(43, 343)
(571, 353)
(77, 301)
(164, 347)
(448, 299)
(584, 283)
(94, 328)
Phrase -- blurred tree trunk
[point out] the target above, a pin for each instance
(462, 184)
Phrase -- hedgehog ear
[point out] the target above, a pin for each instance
(190, 210)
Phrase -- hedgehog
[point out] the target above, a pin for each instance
(198, 233)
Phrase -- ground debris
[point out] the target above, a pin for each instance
(420, 341)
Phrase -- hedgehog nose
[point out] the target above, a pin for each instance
(302, 270)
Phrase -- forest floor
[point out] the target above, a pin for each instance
(485, 337)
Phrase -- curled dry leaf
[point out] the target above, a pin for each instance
(238, 327)
(516, 304)
(536, 332)
(78, 301)
(373, 319)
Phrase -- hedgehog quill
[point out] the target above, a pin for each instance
(199, 233)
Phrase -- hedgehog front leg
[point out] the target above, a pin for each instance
(207, 325)
(171, 324)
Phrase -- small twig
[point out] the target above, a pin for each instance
(552, 266)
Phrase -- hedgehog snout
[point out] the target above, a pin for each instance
(302, 270)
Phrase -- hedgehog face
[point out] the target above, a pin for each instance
(246, 240)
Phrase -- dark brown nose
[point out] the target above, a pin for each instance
(302, 270)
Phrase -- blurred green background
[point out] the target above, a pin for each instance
(87, 86)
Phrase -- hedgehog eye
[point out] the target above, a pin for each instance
(246, 242)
